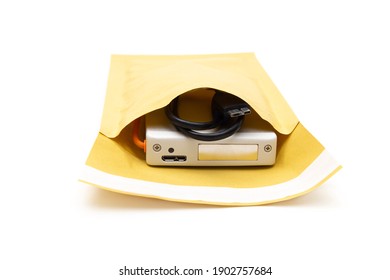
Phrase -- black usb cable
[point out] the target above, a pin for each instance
(228, 114)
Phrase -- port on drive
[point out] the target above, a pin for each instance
(174, 158)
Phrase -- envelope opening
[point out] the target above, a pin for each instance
(200, 99)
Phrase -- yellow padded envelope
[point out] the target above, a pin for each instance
(138, 85)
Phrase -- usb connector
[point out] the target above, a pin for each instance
(230, 105)
(239, 112)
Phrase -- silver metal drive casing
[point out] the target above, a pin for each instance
(253, 145)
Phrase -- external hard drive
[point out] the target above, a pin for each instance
(253, 145)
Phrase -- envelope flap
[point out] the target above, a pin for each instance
(140, 84)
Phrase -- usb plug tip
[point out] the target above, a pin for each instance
(234, 113)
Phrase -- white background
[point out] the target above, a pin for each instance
(331, 61)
